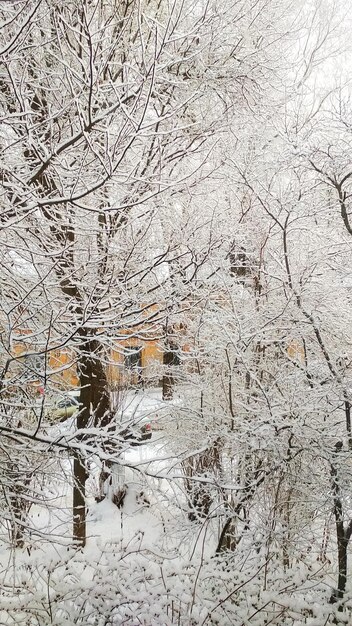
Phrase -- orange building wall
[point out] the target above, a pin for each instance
(64, 362)
(151, 356)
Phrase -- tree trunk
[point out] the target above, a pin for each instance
(79, 470)
(79, 501)
(170, 360)
(343, 534)
(342, 559)
(95, 411)
(342, 545)
(227, 541)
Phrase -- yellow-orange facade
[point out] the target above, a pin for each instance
(131, 359)
(122, 370)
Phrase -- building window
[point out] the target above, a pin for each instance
(133, 357)
(133, 364)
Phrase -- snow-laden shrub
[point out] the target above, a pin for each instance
(111, 586)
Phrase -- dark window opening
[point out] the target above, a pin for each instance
(133, 357)
(133, 363)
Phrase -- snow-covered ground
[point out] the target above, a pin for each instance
(145, 404)
(145, 563)
(138, 540)
(143, 469)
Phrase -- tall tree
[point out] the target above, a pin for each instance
(99, 114)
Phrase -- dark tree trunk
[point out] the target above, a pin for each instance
(94, 411)
(170, 360)
(79, 501)
(343, 534)
(227, 541)
(79, 469)
(342, 558)
(342, 545)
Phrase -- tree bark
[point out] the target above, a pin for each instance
(95, 411)
(170, 360)
(79, 501)
(343, 534)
